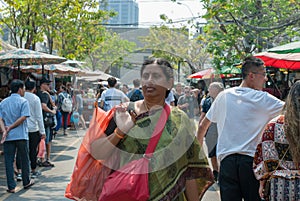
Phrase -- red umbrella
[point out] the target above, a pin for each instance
(206, 73)
(289, 61)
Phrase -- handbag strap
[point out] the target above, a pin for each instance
(282, 158)
(271, 173)
(160, 125)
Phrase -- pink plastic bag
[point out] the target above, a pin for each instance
(42, 149)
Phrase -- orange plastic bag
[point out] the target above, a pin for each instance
(89, 174)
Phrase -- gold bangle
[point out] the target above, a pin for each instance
(120, 136)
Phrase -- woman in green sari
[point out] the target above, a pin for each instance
(179, 167)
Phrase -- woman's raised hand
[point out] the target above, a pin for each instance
(124, 120)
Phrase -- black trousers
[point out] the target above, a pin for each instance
(237, 180)
(34, 140)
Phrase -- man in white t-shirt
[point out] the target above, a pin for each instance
(112, 96)
(241, 114)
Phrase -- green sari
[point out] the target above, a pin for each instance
(178, 156)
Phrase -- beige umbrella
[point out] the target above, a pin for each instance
(25, 57)
(94, 76)
(60, 69)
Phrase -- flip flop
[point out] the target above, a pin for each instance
(31, 183)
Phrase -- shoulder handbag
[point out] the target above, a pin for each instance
(267, 186)
(48, 116)
(49, 119)
(130, 182)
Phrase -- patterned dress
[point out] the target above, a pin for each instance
(274, 160)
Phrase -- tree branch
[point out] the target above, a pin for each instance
(269, 28)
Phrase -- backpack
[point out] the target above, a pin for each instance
(66, 105)
(136, 95)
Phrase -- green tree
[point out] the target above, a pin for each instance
(111, 50)
(73, 27)
(23, 21)
(83, 32)
(237, 28)
(176, 45)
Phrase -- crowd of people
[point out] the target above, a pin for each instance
(252, 137)
(29, 116)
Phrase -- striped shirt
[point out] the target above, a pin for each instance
(112, 97)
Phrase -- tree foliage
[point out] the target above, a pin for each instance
(176, 45)
(237, 28)
(112, 49)
(74, 28)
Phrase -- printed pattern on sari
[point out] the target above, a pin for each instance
(177, 157)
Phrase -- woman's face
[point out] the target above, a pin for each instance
(154, 81)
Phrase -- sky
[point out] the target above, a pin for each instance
(150, 10)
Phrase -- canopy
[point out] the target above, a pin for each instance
(53, 68)
(95, 76)
(18, 57)
(230, 70)
(203, 74)
(25, 57)
(289, 61)
(284, 56)
(293, 47)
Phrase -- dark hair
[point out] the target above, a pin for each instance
(251, 63)
(292, 120)
(99, 86)
(30, 84)
(15, 85)
(163, 64)
(111, 81)
(136, 83)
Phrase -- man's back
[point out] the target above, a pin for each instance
(135, 95)
(35, 121)
(12, 108)
(241, 114)
(112, 97)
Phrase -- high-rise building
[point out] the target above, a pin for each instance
(128, 12)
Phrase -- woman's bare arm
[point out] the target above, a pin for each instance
(102, 148)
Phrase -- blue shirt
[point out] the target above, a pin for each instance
(11, 109)
(206, 105)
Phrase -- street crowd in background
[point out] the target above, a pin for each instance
(30, 118)
(232, 122)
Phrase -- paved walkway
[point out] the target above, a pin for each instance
(52, 183)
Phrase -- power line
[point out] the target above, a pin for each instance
(181, 20)
(161, 1)
(147, 1)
